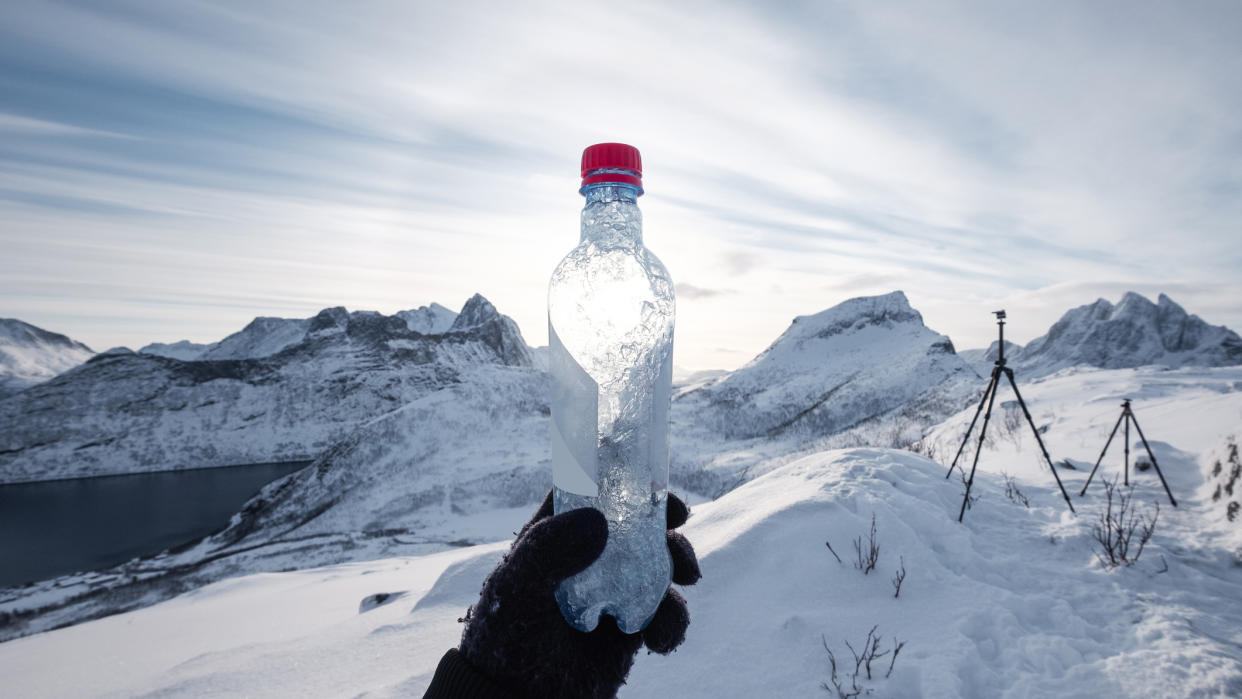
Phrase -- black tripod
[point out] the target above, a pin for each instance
(989, 396)
(1127, 416)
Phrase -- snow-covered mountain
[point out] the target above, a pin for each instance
(428, 320)
(836, 369)
(126, 412)
(31, 355)
(452, 456)
(1133, 333)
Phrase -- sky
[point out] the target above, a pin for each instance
(171, 170)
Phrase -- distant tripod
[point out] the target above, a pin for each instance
(989, 396)
(1127, 416)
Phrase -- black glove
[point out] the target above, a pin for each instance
(516, 638)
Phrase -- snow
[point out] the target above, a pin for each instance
(1010, 603)
(30, 355)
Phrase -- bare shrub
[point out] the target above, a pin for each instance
(924, 447)
(1011, 422)
(1012, 492)
(870, 654)
(899, 578)
(1232, 511)
(1117, 525)
(867, 552)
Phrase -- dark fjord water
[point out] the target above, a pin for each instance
(56, 527)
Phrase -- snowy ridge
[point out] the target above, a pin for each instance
(262, 337)
(1135, 332)
(184, 350)
(30, 355)
(124, 412)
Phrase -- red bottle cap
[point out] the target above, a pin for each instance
(612, 162)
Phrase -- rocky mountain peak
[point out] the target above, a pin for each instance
(1135, 332)
(335, 318)
(477, 311)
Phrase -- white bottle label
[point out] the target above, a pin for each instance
(575, 422)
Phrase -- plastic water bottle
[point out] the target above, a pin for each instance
(610, 328)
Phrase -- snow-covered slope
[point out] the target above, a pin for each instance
(1135, 332)
(1010, 603)
(429, 470)
(126, 412)
(30, 355)
(184, 350)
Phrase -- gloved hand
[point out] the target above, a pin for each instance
(516, 637)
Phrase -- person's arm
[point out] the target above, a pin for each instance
(456, 678)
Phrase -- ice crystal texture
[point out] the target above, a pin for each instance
(610, 318)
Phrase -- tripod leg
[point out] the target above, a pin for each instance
(1127, 460)
(966, 438)
(979, 449)
(1102, 453)
(1153, 460)
(1027, 413)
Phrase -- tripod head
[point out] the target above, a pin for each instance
(1000, 326)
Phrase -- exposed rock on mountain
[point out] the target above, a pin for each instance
(30, 355)
(835, 369)
(1135, 332)
(126, 412)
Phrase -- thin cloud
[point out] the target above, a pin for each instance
(690, 291)
(420, 152)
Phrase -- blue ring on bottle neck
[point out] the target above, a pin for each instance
(638, 191)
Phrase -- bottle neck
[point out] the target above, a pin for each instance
(611, 215)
